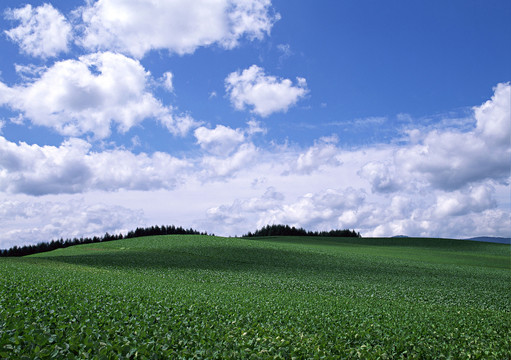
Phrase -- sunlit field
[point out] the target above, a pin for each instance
(284, 297)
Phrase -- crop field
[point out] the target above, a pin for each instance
(171, 297)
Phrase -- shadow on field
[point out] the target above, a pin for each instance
(230, 258)
(406, 242)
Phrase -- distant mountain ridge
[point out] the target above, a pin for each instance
(492, 239)
(499, 240)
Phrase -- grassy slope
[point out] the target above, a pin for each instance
(216, 298)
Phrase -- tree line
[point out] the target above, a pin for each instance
(269, 230)
(59, 244)
(286, 230)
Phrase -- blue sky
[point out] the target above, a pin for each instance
(386, 117)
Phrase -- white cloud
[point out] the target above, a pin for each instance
(18, 120)
(475, 199)
(319, 211)
(442, 183)
(220, 141)
(413, 214)
(493, 117)
(29, 72)
(370, 121)
(254, 127)
(265, 94)
(36, 170)
(90, 94)
(121, 169)
(489, 222)
(381, 176)
(234, 187)
(6, 94)
(180, 26)
(167, 81)
(238, 212)
(30, 222)
(74, 168)
(451, 159)
(43, 32)
(176, 124)
(323, 153)
(215, 167)
(228, 151)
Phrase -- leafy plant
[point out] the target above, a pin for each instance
(193, 296)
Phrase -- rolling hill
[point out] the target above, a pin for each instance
(196, 296)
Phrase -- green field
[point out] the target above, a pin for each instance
(216, 298)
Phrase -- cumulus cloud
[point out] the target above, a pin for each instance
(214, 167)
(445, 182)
(221, 140)
(450, 160)
(227, 151)
(180, 26)
(265, 94)
(240, 210)
(381, 176)
(493, 116)
(30, 222)
(321, 210)
(379, 190)
(36, 170)
(472, 212)
(121, 169)
(176, 124)
(475, 199)
(88, 95)
(43, 32)
(324, 152)
(74, 168)
(428, 219)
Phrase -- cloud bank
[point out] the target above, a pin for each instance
(91, 82)
(74, 168)
(441, 183)
(28, 222)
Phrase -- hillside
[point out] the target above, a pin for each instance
(210, 297)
